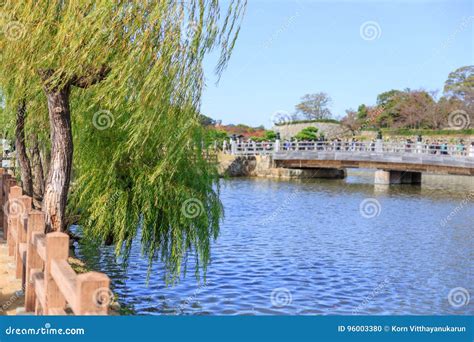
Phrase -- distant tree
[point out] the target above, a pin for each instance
(387, 101)
(375, 116)
(413, 108)
(308, 133)
(438, 118)
(469, 103)
(206, 121)
(362, 112)
(351, 121)
(270, 135)
(459, 88)
(315, 106)
(215, 136)
(460, 82)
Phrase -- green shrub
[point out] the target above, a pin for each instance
(308, 133)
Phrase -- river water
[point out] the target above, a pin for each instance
(321, 247)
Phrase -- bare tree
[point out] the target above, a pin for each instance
(315, 106)
(413, 107)
(350, 121)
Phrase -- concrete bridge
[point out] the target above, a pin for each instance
(396, 163)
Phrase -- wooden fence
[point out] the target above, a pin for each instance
(50, 285)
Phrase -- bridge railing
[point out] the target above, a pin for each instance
(254, 148)
(50, 285)
(263, 148)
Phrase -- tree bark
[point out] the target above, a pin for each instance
(38, 173)
(45, 157)
(59, 175)
(24, 161)
(60, 166)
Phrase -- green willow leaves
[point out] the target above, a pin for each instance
(138, 153)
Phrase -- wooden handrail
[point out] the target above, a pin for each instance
(51, 286)
(39, 241)
(63, 273)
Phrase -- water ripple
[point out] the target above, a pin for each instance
(309, 239)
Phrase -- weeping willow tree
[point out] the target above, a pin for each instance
(123, 81)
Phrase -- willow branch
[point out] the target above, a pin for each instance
(93, 77)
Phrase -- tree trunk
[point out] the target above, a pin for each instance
(38, 172)
(25, 166)
(45, 157)
(59, 175)
(60, 164)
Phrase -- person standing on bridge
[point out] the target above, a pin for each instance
(460, 148)
(444, 148)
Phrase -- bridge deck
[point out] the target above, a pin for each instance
(416, 157)
(444, 164)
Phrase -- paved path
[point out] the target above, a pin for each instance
(10, 297)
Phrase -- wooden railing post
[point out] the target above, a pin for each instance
(23, 204)
(2, 203)
(57, 248)
(12, 219)
(48, 280)
(5, 190)
(93, 294)
(33, 260)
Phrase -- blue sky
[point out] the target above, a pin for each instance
(288, 48)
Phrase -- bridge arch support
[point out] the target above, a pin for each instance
(397, 177)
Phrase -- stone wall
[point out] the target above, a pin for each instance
(330, 130)
(263, 166)
(237, 166)
(369, 135)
